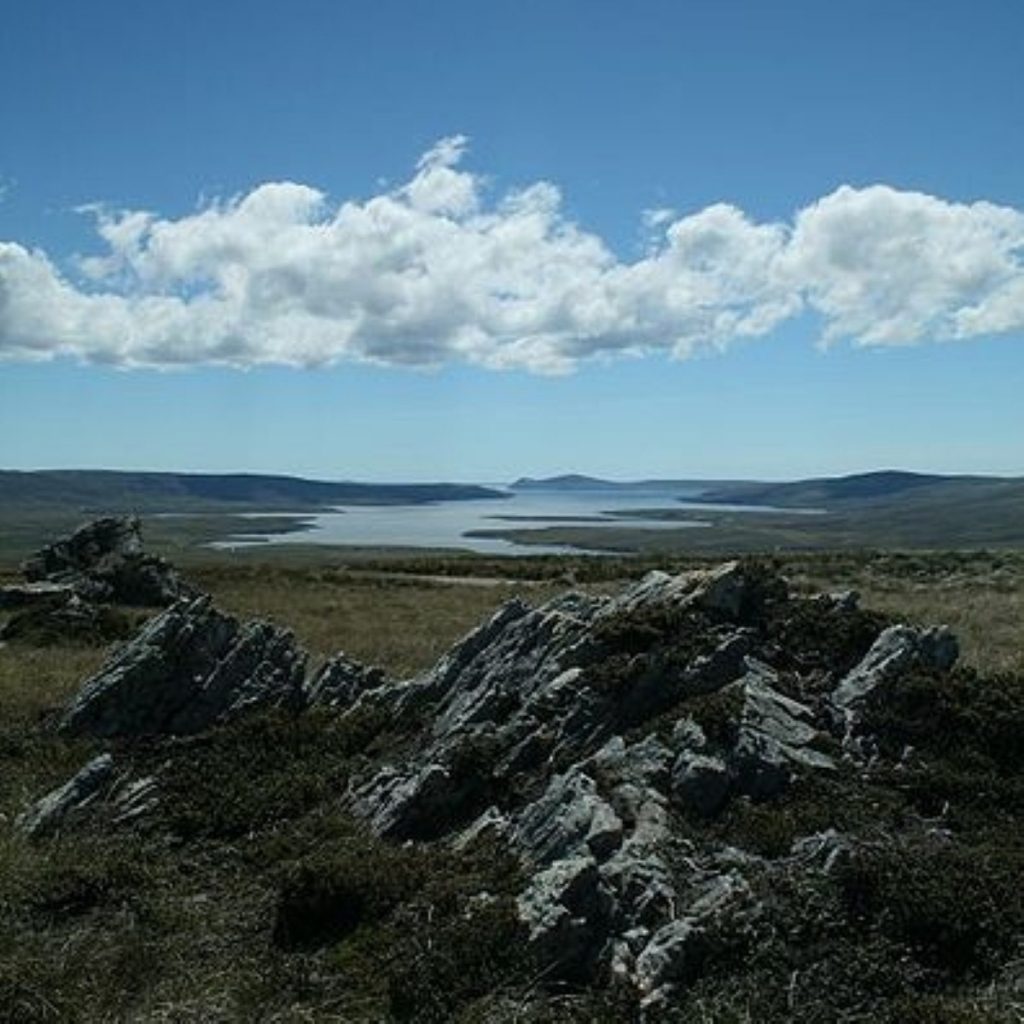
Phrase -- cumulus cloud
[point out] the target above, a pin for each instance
(439, 269)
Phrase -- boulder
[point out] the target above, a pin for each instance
(189, 668)
(700, 782)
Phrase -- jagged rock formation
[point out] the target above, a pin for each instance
(599, 740)
(104, 562)
(568, 730)
(189, 668)
(340, 682)
(72, 582)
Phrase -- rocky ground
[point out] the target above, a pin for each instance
(704, 798)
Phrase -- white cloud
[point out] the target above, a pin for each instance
(438, 270)
(888, 267)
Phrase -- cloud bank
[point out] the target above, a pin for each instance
(439, 270)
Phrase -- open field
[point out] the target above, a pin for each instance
(401, 610)
(391, 613)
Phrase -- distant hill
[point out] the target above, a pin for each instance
(566, 482)
(103, 490)
(880, 487)
(884, 509)
(861, 488)
(578, 482)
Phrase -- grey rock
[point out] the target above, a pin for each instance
(104, 561)
(824, 850)
(505, 681)
(566, 910)
(340, 683)
(522, 679)
(414, 805)
(189, 668)
(688, 735)
(134, 799)
(492, 824)
(700, 782)
(638, 873)
(569, 819)
(897, 649)
(721, 590)
(664, 684)
(775, 738)
(65, 804)
(587, 806)
(678, 950)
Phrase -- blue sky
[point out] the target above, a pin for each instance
(407, 307)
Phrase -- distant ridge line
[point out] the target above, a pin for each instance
(155, 491)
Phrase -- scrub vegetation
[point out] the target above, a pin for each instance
(250, 896)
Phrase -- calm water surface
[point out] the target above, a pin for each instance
(445, 524)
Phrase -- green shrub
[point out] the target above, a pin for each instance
(958, 907)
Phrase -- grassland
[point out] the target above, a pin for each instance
(401, 614)
(97, 927)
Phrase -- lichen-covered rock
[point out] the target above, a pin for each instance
(188, 669)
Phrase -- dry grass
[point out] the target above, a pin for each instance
(980, 596)
(403, 626)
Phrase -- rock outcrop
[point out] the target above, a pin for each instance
(573, 732)
(189, 668)
(104, 561)
(72, 582)
(597, 739)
